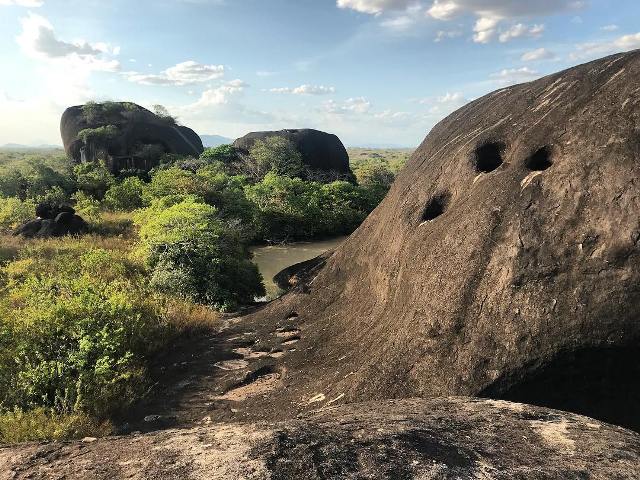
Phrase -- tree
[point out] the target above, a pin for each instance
(94, 179)
(277, 155)
(162, 112)
(126, 195)
(194, 254)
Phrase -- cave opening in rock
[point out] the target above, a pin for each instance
(436, 207)
(599, 382)
(488, 157)
(540, 160)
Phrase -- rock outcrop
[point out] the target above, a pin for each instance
(320, 151)
(451, 438)
(125, 135)
(504, 262)
(53, 221)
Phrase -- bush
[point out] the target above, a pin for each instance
(77, 328)
(277, 155)
(15, 212)
(98, 136)
(195, 255)
(87, 207)
(126, 195)
(42, 424)
(94, 179)
(223, 153)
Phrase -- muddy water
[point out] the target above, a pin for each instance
(272, 259)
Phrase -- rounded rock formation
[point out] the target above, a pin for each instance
(504, 262)
(124, 135)
(319, 150)
(53, 221)
(449, 438)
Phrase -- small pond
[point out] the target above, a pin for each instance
(272, 259)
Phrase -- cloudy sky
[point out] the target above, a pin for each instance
(372, 71)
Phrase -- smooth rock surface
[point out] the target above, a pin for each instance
(504, 262)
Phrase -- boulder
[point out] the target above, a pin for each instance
(138, 140)
(449, 438)
(504, 262)
(53, 221)
(320, 151)
(300, 272)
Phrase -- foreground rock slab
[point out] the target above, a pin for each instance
(447, 438)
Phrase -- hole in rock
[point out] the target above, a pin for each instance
(488, 157)
(599, 382)
(436, 207)
(539, 161)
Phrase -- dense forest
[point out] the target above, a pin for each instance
(83, 317)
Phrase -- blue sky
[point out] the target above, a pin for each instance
(372, 71)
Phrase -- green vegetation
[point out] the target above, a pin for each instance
(82, 319)
(98, 135)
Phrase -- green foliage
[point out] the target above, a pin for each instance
(14, 212)
(100, 112)
(194, 254)
(42, 424)
(277, 155)
(77, 327)
(223, 153)
(125, 195)
(99, 135)
(291, 208)
(162, 112)
(87, 207)
(94, 179)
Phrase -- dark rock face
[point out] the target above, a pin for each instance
(140, 135)
(320, 150)
(505, 260)
(300, 272)
(53, 221)
(449, 438)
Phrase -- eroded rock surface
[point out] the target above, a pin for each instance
(451, 438)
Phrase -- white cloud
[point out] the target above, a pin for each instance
(490, 13)
(609, 28)
(220, 95)
(305, 90)
(38, 40)
(185, 73)
(22, 3)
(358, 105)
(510, 76)
(598, 49)
(521, 30)
(538, 54)
(375, 7)
(445, 34)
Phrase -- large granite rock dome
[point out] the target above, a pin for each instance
(504, 262)
(138, 136)
(320, 150)
(450, 438)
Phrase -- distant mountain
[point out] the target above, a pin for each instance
(18, 146)
(382, 146)
(214, 140)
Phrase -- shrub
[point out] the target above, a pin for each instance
(277, 155)
(77, 328)
(126, 195)
(99, 135)
(87, 207)
(223, 153)
(195, 255)
(94, 179)
(14, 212)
